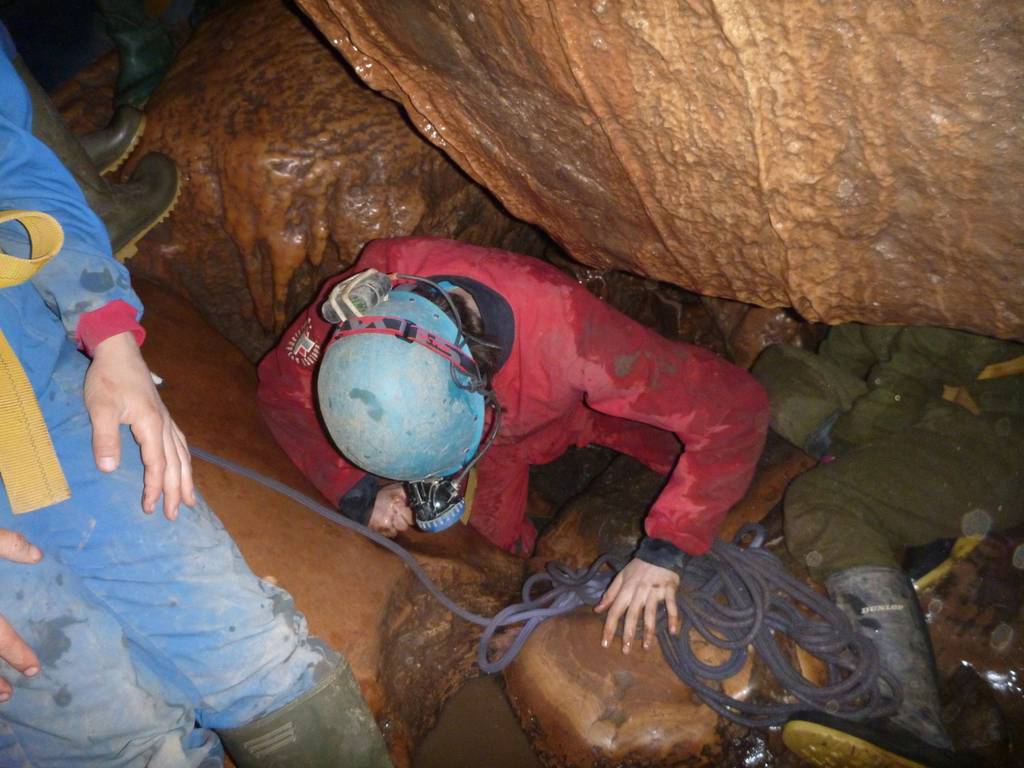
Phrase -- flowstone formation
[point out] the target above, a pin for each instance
(289, 166)
(853, 161)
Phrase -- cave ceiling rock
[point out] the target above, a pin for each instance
(854, 161)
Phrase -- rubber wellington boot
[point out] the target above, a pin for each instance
(329, 726)
(882, 604)
(129, 210)
(109, 147)
(145, 50)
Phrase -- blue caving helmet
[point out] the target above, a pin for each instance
(393, 407)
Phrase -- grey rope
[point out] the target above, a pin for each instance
(735, 597)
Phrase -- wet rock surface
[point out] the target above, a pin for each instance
(289, 166)
(625, 710)
(428, 653)
(854, 162)
(584, 705)
(747, 330)
(976, 620)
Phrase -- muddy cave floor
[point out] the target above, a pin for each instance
(970, 612)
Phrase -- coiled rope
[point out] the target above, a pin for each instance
(734, 597)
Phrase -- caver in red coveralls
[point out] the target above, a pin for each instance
(577, 372)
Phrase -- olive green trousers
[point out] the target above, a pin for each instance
(939, 472)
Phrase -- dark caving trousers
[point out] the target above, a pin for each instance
(950, 473)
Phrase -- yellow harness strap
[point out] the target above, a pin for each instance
(28, 463)
(1013, 367)
(961, 396)
(469, 496)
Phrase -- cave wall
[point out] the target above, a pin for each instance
(857, 161)
(289, 166)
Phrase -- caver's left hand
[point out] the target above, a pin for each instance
(119, 390)
(636, 592)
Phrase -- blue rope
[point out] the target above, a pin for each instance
(734, 597)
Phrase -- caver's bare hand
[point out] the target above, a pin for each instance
(636, 593)
(14, 650)
(391, 514)
(119, 390)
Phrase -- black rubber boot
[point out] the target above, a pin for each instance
(128, 210)
(882, 604)
(144, 49)
(329, 726)
(109, 147)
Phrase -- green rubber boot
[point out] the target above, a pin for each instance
(128, 210)
(329, 726)
(144, 49)
(109, 147)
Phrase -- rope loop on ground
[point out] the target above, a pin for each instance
(735, 598)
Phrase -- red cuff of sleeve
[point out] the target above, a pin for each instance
(112, 318)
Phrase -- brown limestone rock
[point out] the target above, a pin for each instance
(748, 329)
(856, 162)
(589, 707)
(290, 165)
(428, 652)
(406, 651)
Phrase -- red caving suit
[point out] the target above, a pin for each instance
(579, 372)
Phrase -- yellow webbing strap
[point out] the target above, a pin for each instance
(28, 463)
(46, 238)
(961, 396)
(1001, 370)
(469, 496)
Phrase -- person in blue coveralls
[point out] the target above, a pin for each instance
(128, 639)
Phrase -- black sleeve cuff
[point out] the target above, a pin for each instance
(661, 553)
(357, 504)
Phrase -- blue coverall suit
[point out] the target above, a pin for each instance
(150, 633)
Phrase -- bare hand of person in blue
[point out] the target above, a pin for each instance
(637, 591)
(14, 650)
(119, 390)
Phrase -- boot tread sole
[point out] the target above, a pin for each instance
(118, 161)
(130, 248)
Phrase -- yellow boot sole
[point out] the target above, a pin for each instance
(829, 748)
(119, 160)
(130, 248)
